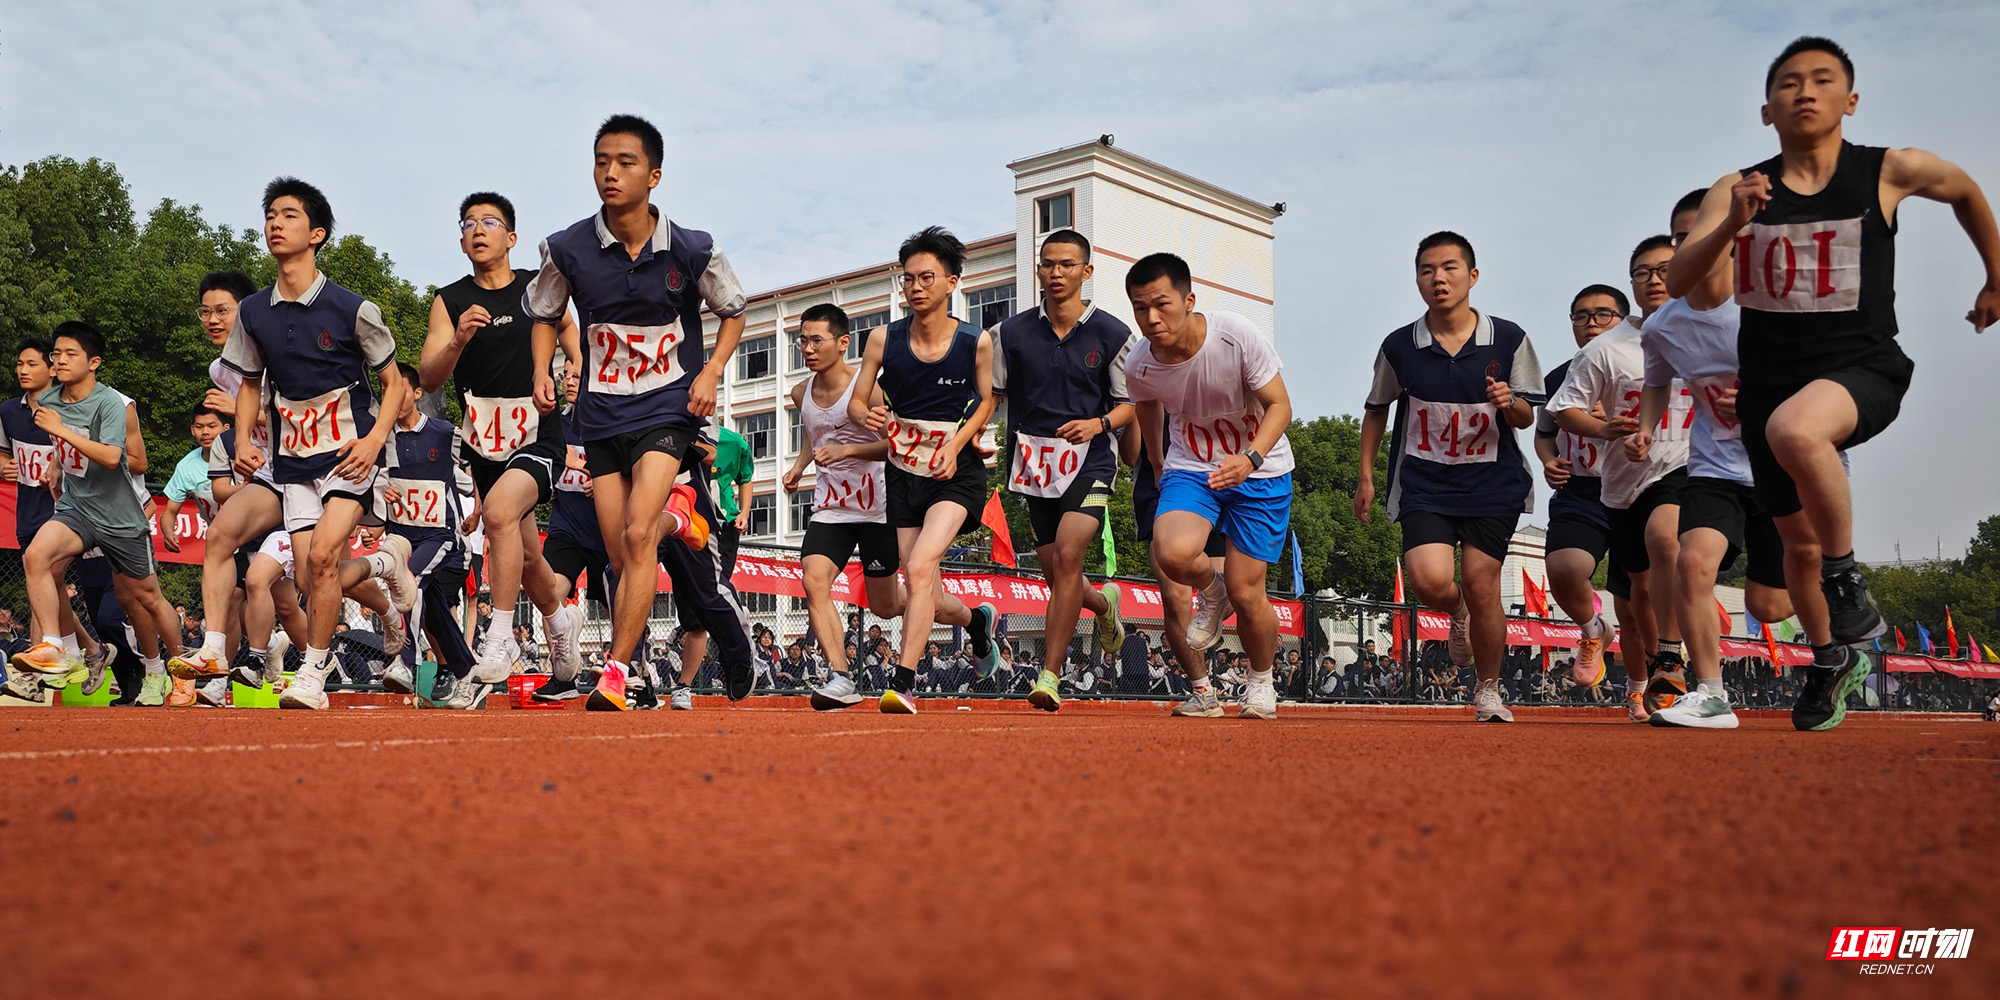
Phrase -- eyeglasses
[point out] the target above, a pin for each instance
(1595, 317)
(492, 224)
(205, 312)
(812, 342)
(1648, 273)
(924, 280)
(1061, 266)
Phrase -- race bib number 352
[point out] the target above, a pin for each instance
(916, 446)
(419, 502)
(629, 360)
(1451, 433)
(315, 426)
(1044, 466)
(497, 426)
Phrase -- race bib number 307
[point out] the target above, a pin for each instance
(497, 426)
(1044, 466)
(1451, 433)
(629, 360)
(315, 426)
(917, 446)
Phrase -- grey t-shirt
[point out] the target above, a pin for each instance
(103, 496)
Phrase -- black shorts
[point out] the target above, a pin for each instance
(1731, 508)
(1144, 509)
(1628, 526)
(1578, 533)
(619, 454)
(1616, 579)
(1487, 534)
(1876, 386)
(839, 540)
(244, 553)
(539, 459)
(569, 559)
(1084, 496)
(912, 496)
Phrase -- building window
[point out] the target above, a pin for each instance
(796, 429)
(795, 359)
(801, 504)
(757, 357)
(763, 514)
(859, 327)
(1053, 213)
(756, 429)
(988, 306)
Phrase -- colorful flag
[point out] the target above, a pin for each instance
(1950, 632)
(1991, 657)
(995, 517)
(1399, 581)
(1728, 621)
(1900, 644)
(1534, 600)
(1972, 648)
(1298, 566)
(1771, 644)
(1110, 548)
(1924, 641)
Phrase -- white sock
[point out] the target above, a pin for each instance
(502, 624)
(1635, 685)
(213, 642)
(59, 641)
(1202, 683)
(1713, 686)
(381, 563)
(1593, 629)
(316, 659)
(259, 654)
(69, 644)
(153, 664)
(1260, 676)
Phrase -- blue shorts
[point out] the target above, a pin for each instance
(1253, 515)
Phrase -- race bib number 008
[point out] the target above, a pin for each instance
(1209, 440)
(31, 462)
(420, 503)
(1707, 393)
(1044, 466)
(497, 426)
(315, 426)
(847, 490)
(1451, 433)
(917, 446)
(629, 360)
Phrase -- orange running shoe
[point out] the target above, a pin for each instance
(680, 503)
(1589, 668)
(41, 658)
(182, 695)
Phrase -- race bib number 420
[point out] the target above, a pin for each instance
(1451, 433)
(917, 446)
(1044, 466)
(309, 427)
(847, 490)
(419, 502)
(497, 426)
(629, 360)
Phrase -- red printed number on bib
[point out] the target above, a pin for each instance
(573, 480)
(70, 460)
(841, 489)
(1044, 466)
(629, 360)
(497, 426)
(421, 503)
(917, 446)
(1676, 424)
(1451, 433)
(31, 462)
(315, 426)
(1584, 456)
(1709, 391)
(1209, 440)
(1803, 267)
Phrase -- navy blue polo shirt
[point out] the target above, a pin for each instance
(315, 355)
(424, 472)
(1583, 496)
(1055, 380)
(640, 319)
(32, 504)
(572, 513)
(1451, 453)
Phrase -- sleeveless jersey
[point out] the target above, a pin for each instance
(848, 491)
(928, 400)
(497, 369)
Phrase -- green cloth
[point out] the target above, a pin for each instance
(733, 465)
(103, 496)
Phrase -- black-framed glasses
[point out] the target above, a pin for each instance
(924, 280)
(1595, 317)
(204, 312)
(1644, 273)
(490, 223)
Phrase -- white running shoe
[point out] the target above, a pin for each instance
(394, 635)
(274, 661)
(398, 678)
(1260, 701)
(214, 694)
(400, 583)
(565, 637)
(681, 699)
(1696, 709)
(468, 693)
(1486, 703)
(307, 689)
(838, 692)
(1210, 608)
(497, 654)
(1460, 643)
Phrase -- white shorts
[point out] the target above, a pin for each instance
(305, 503)
(278, 546)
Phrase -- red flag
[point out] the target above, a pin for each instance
(1899, 639)
(1771, 643)
(1399, 581)
(1728, 621)
(995, 517)
(1534, 600)
(1950, 633)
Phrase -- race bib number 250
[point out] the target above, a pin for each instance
(1044, 466)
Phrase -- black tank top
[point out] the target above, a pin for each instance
(945, 389)
(1816, 275)
(499, 361)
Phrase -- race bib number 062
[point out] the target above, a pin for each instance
(31, 462)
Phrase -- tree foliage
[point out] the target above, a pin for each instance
(1919, 593)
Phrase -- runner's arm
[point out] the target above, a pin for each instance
(1712, 236)
(135, 442)
(442, 345)
(1373, 423)
(969, 431)
(542, 341)
(862, 407)
(1925, 175)
(1152, 433)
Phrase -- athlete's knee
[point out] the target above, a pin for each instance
(1248, 594)
(1767, 604)
(641, 539)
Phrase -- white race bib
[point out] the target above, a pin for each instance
(1044, 466)
(1706, 392)
(1209, 440)
(1676, 424)
(1451, 433)
(70, 460)
(1801, 267)
(629, 360)
(858, 492)
(573, 480)
(1585, 455)
(420, 503)
(315, 426)
(31, 462)
(917, 445)
(497, 426)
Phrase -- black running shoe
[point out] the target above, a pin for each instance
(1855, 618)
(643, 699)
(981, 631)
(1822, 701)
(737, 679)
(558, 689)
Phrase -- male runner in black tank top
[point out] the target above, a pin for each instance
(1813, 230)
(482, 341)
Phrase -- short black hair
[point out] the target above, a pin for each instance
(1447, 238)
(236, 283)
(938, 242)
(42, 345)
(1071, 237)
(1810, 43)
(649, 137)
(85, 335)
(489, 198)
(1650, 244)
(1155, 266)
(211, 411)
(1624, 304)
(1690, 202)
(319, 214)
(409, 373)
(832, 315)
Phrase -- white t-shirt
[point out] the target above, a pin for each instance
(1211, 413)
(1698, 348)
(1610, 372)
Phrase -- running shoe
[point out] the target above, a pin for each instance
(1855, 618)
(498, 653)
(737, 680)
(214, 693)
(467, 694)
(181, 693)
(307, 689)
(695, 527)
(896, 702)
(837, 693)
(25, 686)
(609, 696)
(1486, 703)
(250, 673)
(1696, 710)
(565, 634)
(97, 666)
(153, 689)
(201, 664)
(1045, 696)
(642, 697)
(1111, 631)
(1260, 700)
(1588, 671)
(41, 658)
(399, 679)
(1200, 705)
(1459, 645)
(558, 689)
(398, 581)
(394, 635)
(274, 663)
(1822, 701)
(681, 699)
(1635, 706)
(1211, 606)
(1666, 680)
(985, 652)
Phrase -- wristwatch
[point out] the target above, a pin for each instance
(1256, 460)
(1106, 421)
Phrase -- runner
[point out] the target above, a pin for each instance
(1642, 495)
(1820, 366)
(705, 600)
(935, 375)
(1458, 482)
(1176, 600)
(422, 501)
(848, 502)
(732, 468)
(498, 361)
(1226, 463)
(191, 487)
(328, 438)
(574, 549)
(1061, 416)
(639, 282)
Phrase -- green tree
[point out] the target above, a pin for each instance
(1356, 559)
(1970, 587)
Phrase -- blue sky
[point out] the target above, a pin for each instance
(811, 137)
